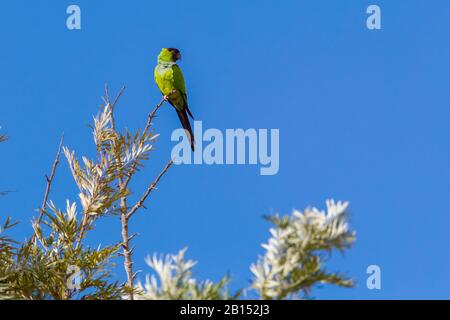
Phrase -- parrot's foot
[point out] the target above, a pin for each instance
(166, 97)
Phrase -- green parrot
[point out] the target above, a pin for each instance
(170, 81)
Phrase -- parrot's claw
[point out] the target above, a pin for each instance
(166, 97)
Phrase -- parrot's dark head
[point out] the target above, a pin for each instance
(176, 54)
(169, 55)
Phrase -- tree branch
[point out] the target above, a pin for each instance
(123, 182)
(113, 105)
(150, 118)
(49, 184)
(127, 253)
(141, 201)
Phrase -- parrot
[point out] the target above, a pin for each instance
(170, 81)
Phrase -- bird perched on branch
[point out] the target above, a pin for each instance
(170, 81)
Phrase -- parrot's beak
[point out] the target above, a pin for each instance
(179, 56)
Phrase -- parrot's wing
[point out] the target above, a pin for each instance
(178, 79)
(180, 85)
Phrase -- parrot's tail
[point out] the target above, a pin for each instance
(186, 125)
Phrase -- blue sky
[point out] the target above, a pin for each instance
(363, 116)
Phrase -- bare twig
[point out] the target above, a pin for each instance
(141, 201)
(150, 118)
(49, 185)
(152, 115)
(84, 224)
(112, 106)
(118, 97)
(127, 253)
(126, 238)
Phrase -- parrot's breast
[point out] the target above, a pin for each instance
(164, 79)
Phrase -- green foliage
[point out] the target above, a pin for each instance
(40, 269)
(6, 259)
(46, 266)
(173, 281)
(292, 266)
(119, 156)
(294, 258)
(55, 263)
